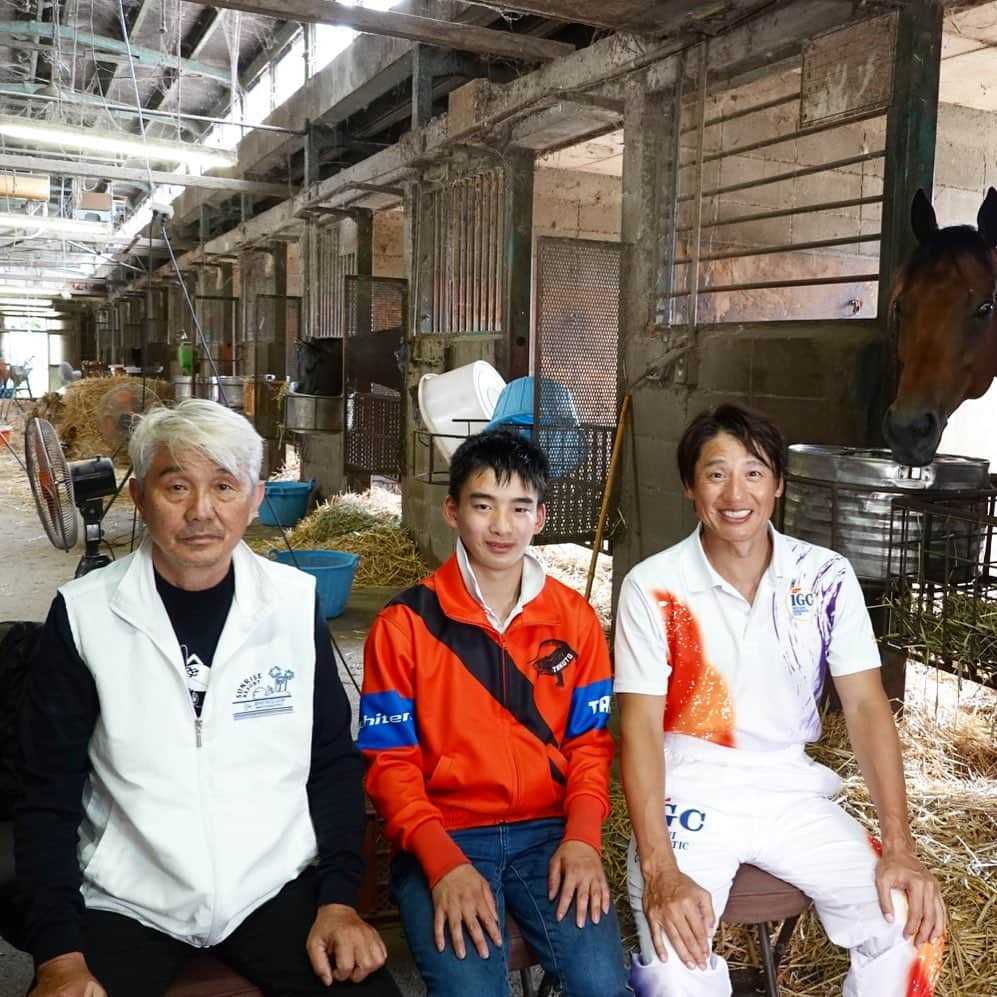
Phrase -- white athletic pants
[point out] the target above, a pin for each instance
(727, 807)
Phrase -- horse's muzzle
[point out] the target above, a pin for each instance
(912, 434)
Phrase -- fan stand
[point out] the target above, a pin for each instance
(93, 511)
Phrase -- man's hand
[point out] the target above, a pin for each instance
(678, 907)
(66, 976)
(355, 948)
(900, 869)
(576, 871)
(463, 899)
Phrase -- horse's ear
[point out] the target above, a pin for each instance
(922, 217)
(986, 220)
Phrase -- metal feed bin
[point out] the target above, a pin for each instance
(842, 498)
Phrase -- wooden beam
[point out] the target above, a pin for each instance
(101, 171)
(426, 30)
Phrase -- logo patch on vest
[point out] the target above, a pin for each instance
(553, 658)
(264, 696)
(801, 602)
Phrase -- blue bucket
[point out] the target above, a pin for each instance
(333, 571)
(284, 502)
(560, 437)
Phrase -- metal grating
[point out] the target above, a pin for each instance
(771, 192)
(375, 310)
(374, 304)
(577, 321)
(466, 218)
(943, 587)
(374, 433)
(331, 272)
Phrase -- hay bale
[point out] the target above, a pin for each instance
(74, 414)
(367, 524)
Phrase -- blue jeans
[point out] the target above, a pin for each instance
(514, 859)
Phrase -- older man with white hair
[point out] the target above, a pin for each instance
(174, 795)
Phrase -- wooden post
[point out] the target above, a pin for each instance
(514, 348)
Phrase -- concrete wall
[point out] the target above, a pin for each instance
(575, 204)
(818, 381)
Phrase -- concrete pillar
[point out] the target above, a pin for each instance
(422, 85)
(651, 494)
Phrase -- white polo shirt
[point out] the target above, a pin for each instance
(740, 675)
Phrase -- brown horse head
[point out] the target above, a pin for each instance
(944, 309)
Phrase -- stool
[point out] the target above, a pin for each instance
(522, 958)
(758, 898)
(206, 976)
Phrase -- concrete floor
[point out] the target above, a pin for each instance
(30, 572)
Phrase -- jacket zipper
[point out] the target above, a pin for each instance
(506, 657)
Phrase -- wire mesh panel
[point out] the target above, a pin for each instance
(943, 592)
(575, 403)
(375, 310)
(374, 433)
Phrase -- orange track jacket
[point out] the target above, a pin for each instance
(462, 726)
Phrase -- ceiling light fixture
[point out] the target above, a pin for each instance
(54, 133)
(71, 228)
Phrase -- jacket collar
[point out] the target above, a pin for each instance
(136, 600)
(459, 604)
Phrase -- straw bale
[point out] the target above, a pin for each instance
(74, 414)
(367, 524)
(569, 563)
(951, 765)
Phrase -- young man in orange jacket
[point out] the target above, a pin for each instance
(483, 722)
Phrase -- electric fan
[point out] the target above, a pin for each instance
(119, 410)
(58, 485)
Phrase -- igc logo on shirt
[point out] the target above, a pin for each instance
(801, 603)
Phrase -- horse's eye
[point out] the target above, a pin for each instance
(985, 310)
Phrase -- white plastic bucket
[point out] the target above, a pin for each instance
(458, 403)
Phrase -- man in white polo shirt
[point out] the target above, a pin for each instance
(723, 645)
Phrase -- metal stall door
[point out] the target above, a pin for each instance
(375, 320)
(575, 363)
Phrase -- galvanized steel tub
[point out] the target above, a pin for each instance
(313, 413)
(184, 387)
(227, 391)
(842, 498)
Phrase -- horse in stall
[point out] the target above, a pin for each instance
(944, 310)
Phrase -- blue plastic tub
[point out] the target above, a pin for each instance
(560, 437)
(333, 571)
(284, 502)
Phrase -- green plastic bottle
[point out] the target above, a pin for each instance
(186, 356)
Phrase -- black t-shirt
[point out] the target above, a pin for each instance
(198, 619)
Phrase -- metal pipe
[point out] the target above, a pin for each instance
(792, 136)
(802, 282)
(786, 248)
(791, 174)
(697, 204)
(126, 109)
(804, 209)
(745, 111)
